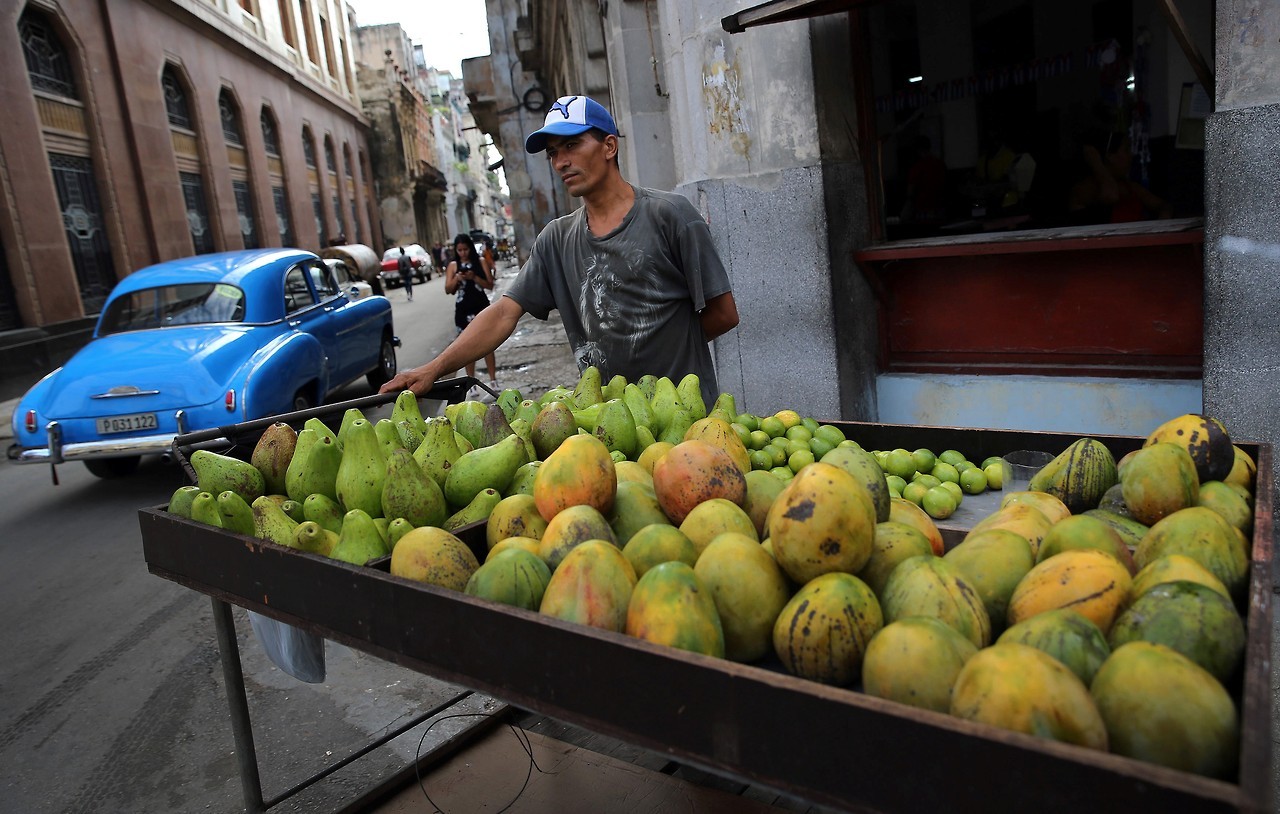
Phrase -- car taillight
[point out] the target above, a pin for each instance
(230, 401)
(31, 421)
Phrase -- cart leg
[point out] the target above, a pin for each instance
(241, 726)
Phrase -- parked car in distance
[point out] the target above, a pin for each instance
(198, 343)
(423, 266)
(356, 288)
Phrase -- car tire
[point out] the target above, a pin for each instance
(302, 401)
(386, 369)
(112, 467)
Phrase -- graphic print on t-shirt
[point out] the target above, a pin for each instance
(617, 308)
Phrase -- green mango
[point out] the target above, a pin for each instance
(681, 421)
(315, 538)
(522, 481)
(204, 509)
(272, 454)
(648, 385)
(495, 426)
(359, 540)
(664, 403)
(438, 450)
(587, 417)
(388, 436)
(407, 409)
(217, 473)
(616, 428)
(180, 502)
(463, 444)
(508, 400)
(349, 417)
(271, 523)
(410, 436)
(321, 429)
(690, 392)
(315, 467)
(556, 394)
(410, 493)
(613, 390)
(480, 507)
(588, 390)
(864, 468)
(395, 530)
(728, 405)
(617, 456)
(363, 470)
(324, 510)
(383, 525)
(294, 509)
(554, 423)
(639, 406)
(644, 439)
(468, 421)
(527, 411)
(484, 468)
(521, 427)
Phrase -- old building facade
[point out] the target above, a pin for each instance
(138, 132)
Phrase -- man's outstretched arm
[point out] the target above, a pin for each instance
(720, 316)
(487, 331)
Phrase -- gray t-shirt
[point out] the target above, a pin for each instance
(630, 300)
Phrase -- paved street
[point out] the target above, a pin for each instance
(111, 684)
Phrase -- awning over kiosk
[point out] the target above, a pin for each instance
(780, 11)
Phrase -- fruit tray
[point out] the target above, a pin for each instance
(825, 744)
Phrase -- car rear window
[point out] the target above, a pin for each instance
(186, 304)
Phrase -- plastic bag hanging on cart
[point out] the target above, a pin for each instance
(294, 650)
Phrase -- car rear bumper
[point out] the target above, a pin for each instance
(57, 452)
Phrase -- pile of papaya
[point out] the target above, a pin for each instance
(1102, 607)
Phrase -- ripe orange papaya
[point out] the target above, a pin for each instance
(592, 586)
(671, 606)
(915, 661)
(1204, 438)
(694, 471)
(1086, 580)
(1158, 481)
(822, 521)
(1204, 536)
(579, 472)
(1082, 531)
(931, 586)
(823, 631)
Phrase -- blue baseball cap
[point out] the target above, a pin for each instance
(569, 116)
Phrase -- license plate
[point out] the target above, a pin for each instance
(127, 423)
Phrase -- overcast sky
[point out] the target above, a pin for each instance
(449, 31)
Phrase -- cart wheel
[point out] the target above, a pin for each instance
(386, 369)
(112, 467)
(302, 401)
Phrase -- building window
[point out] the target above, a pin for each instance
(308, 147)
(10, 317)
(82, 220)
(357, 234)
(337, 214)
(308, 29)
(175, 100)
(321, 230)
(48, 63)
(346, 160)
(197, 212)
(230, 116)
(286, 23)
(282, 216)
(270, 137)
(244, 208)
(328, 155)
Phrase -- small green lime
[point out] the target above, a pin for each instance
(829, 433)
(782, 473)
(749, 421)
(955, 490)
(789, 418)
(761, 459)
(759, 439)
(945, 471)
(924, 459)
(849, 442)
(778, 453)
(793, 447)
(938, 503)
(950, 456)
(973, 481)
(772, 425)
(995, 474)
(799, 460)
(989, 460)
(895, 482)
(899, 462)
(744, 434)
(914, 492)
(927, 480)
(810, 424)
(799, 433)
(819, 447)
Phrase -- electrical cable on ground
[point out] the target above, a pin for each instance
(521, 736)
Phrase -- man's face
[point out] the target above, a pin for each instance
(581, 161)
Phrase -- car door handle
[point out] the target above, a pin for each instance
(293, 323)
(328, 308)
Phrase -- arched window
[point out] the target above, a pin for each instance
(175, 100)
(329, 160)
(308, 147)
(230, 115)
(51, 71)
(270, 135)
(47, 62)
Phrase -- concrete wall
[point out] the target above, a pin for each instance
(1242, 209)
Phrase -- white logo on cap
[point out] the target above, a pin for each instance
(562, 106)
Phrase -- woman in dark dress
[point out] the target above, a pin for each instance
(468, 277)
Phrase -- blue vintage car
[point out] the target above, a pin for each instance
(198, 343)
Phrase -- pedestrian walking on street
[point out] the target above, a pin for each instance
(405, 266)
(633, 272)
(467, 278)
